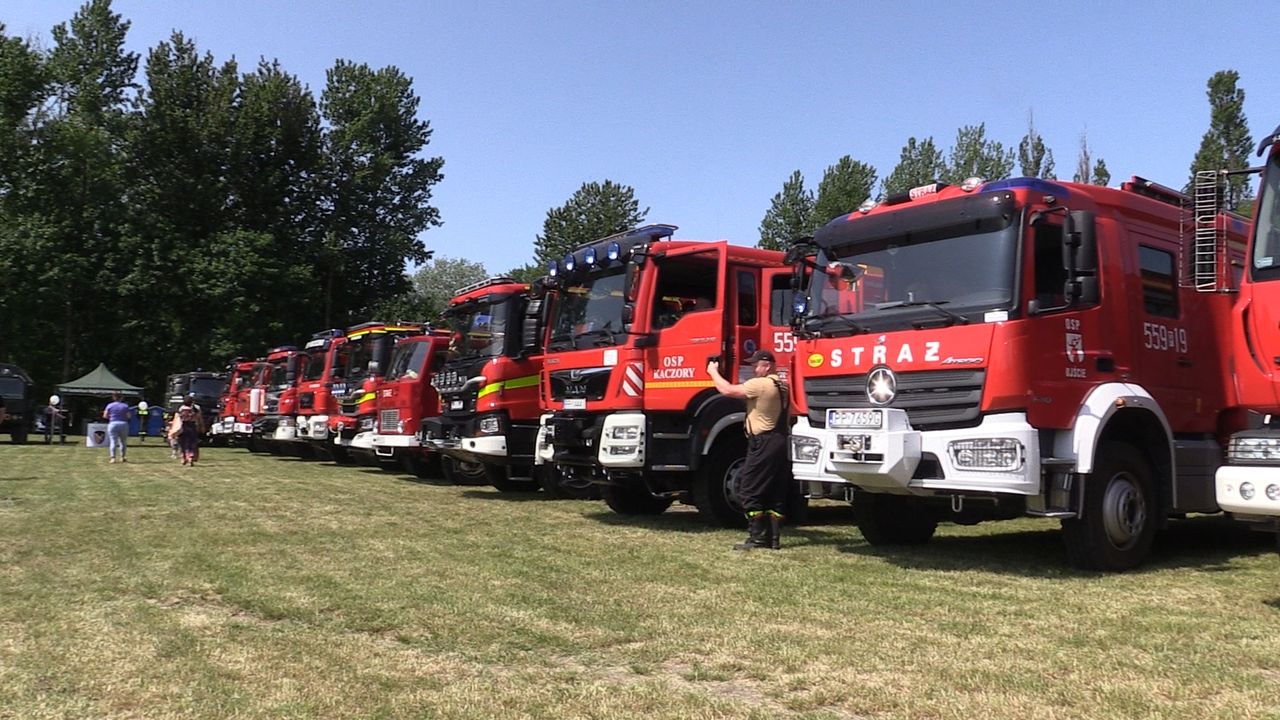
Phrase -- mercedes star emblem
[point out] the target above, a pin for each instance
(882, 386)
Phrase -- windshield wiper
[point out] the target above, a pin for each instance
(849, 323)
(955, 318)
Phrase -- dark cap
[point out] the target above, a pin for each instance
(759, 355)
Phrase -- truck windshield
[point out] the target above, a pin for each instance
(313, 368)
(1266, 238)
(479, 329)
(408, 360)
(207, 387)
(892, 283)
(588, 313)
(11, 387)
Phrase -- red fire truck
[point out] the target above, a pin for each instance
(275, 428)
(488, 388)
(634, 319)
(405, 399)
(1248, 486)
(1026, 347)
(316, 401)
(237, 419)
(366, 352)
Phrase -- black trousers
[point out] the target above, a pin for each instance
(762, 482)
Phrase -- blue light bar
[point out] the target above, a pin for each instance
(1026, 183)
(590, 256)
(569, 263)
(613, 252)
(553, 268)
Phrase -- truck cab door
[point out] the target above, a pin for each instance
(776, 309)
(688, 311)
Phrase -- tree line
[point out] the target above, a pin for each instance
(203, 210)
(200, 211)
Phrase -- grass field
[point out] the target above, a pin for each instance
(255, 586)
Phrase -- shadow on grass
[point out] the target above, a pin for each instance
(476, 492)
(685, 522)
(1208, 544)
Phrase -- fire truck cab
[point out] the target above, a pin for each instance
(405, 399)
(1248, 486)
(488, 385)
(633, 321)
(237, 415)
(316, 402)
(273, 397)
(366, 352)
(1018, 347)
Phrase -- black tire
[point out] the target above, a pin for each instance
(633, 500)
(18, 436)
(1118, 523)
(421, 465)
(715, 490)
(893, 519)
(500, 477)
(559, 486)
(340, 455)
(463, 473)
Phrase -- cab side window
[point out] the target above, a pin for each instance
(685, 285)
(1159, 282)
(1050, 276)
(780, 305)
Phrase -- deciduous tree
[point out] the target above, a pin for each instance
(920, 163)
(844, 186)
(594, 211)
(974, 155)
(790, 215)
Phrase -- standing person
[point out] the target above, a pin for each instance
(190, 425)
(116, 413)
(762, 484)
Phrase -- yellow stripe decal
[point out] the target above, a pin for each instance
(680, 384)
(512, 384)
(367, 397)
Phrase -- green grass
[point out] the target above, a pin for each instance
(255, 586)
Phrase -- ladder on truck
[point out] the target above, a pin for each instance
(1208, 236)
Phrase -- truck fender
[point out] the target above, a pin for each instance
(1081, 441)
(728, 421)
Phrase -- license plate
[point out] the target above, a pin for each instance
(575, 404)
(854, 418)
(455, 405)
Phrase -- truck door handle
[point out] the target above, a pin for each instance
(1184, 362)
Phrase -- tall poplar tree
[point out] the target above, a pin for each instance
(1227, 143)
(790, 215)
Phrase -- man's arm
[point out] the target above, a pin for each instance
(724, 387)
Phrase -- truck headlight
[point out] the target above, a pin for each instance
(623, 449)
(805, 449)
(1246, 490)
(366, 423)
(1273, 492)
(623, 433)
(1004, 454)
(490, 425)
(1246, 450)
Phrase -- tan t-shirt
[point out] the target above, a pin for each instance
(764, 404)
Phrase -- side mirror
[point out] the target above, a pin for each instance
(1079, 245)
(628, 314)
(531, 331)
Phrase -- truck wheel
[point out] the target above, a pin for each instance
(893, 519)
(715, 490)
(560, 486)
(19, 436)
(633, 500)
(340, 455)
(1118, 523)
(464, 473)
(423, 466)
(500, 477)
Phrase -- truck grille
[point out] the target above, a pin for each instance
(932, 399)
(388, 419)
(586, 383)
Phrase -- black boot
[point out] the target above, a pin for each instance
(757, 533)
(775, 529)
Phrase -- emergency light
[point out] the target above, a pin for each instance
(590, 256)
(613, 252)
(553, 268)
(569, 263)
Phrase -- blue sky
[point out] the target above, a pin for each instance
(705, 108)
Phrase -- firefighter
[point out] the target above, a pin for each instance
(762, 484)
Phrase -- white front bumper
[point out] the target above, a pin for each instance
(894, 452)
(362, 440)
(285, 432)
(243, 428)
(489, 445)
(1228, 479)
(317, 426)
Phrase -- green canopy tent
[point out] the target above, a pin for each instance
(98, 382)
